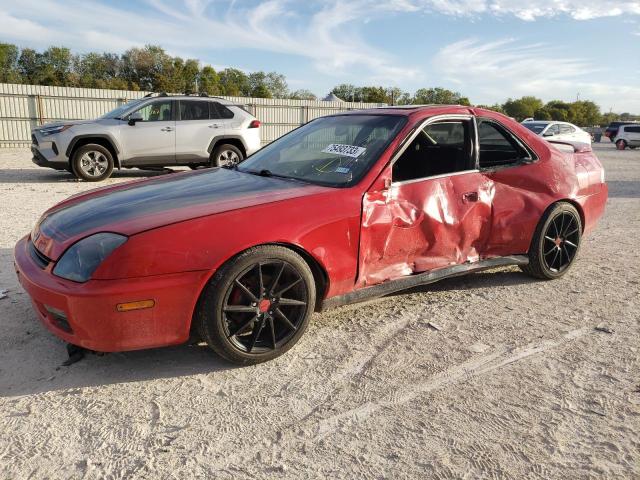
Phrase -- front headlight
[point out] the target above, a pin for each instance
(53, 130)
(83, 257)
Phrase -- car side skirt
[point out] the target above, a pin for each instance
(405, 283)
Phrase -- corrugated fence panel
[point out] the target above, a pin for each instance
(23, 107)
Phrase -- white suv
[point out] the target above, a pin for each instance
(627, 136)
(153, 132)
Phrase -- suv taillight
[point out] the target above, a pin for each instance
(254, 124)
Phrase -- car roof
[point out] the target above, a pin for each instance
(406, 110)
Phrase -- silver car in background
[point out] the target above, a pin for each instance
(152, 132)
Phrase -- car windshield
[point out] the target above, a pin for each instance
(333, 151)
(535, 127)
(117, 112)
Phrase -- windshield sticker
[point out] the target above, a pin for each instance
(342, 170)
(344, 150)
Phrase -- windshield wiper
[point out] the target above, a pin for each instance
(268, 173)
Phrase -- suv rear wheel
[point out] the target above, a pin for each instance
(226, 155)
(621, 144)
(92, 163)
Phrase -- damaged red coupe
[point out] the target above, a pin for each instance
(344, 208)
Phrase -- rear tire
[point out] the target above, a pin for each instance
(226, 155)
(621, 144)
(92, 163)
(243, 313)
(555, 243)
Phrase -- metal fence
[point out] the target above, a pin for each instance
(23, 107)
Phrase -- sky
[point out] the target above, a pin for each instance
(488, 50)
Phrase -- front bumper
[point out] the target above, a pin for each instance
(49, 151)
(92, 320)
(42, 161)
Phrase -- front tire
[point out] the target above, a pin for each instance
(621, 144)
(257, 306)
(555, 243)
(226, 155)
(92, 163)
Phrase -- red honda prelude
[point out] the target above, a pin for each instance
(344, 208)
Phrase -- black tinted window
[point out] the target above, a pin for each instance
(220, 111)
(440, 148)
(497, 146)
(194, 110)
(632, 129)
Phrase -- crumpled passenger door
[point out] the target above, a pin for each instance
(423, 225)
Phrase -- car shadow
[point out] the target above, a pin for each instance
(42, 175)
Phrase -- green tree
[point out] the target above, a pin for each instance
(302, 95)
(147, 67)
(439, 96)
(234, 82)
(55, 66)
(9, 63)
(522, 108)
(29, 64)
(276, 83)
(584, 113)
(558, 110)
(209, 81)
(373, 94)
(347, 92)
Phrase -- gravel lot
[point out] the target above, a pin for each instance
(517, 383)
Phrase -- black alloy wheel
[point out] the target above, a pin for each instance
(258, 305)
(555, 243)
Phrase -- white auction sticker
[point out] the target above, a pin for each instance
(344, 150)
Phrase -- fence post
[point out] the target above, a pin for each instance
(39, 109)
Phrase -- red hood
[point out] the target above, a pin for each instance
(143, 205)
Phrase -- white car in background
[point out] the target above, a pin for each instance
(627, 136)
(558, 131)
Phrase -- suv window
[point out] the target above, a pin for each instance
(566, 129)
(157, 111)
(440, 148)
(219, 111)
(498, 147)
(194, 110)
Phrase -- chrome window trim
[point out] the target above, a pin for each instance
(416, 131)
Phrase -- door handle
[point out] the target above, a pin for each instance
(470, 197)
(167, 129)
(214, 125)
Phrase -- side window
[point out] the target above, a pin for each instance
(554, 129)
(219, 111)
(498, 147)
(194, 110)
(440, 148)
(632, 129)
(566, 129)
(156, 111)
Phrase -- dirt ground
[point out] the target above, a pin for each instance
(517, 383)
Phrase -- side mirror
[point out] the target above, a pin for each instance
(547, 134)
(135, 117)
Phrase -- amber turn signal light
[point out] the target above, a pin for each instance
(127, 307)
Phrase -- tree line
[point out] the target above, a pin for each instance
(581, 112)
(150, 68)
